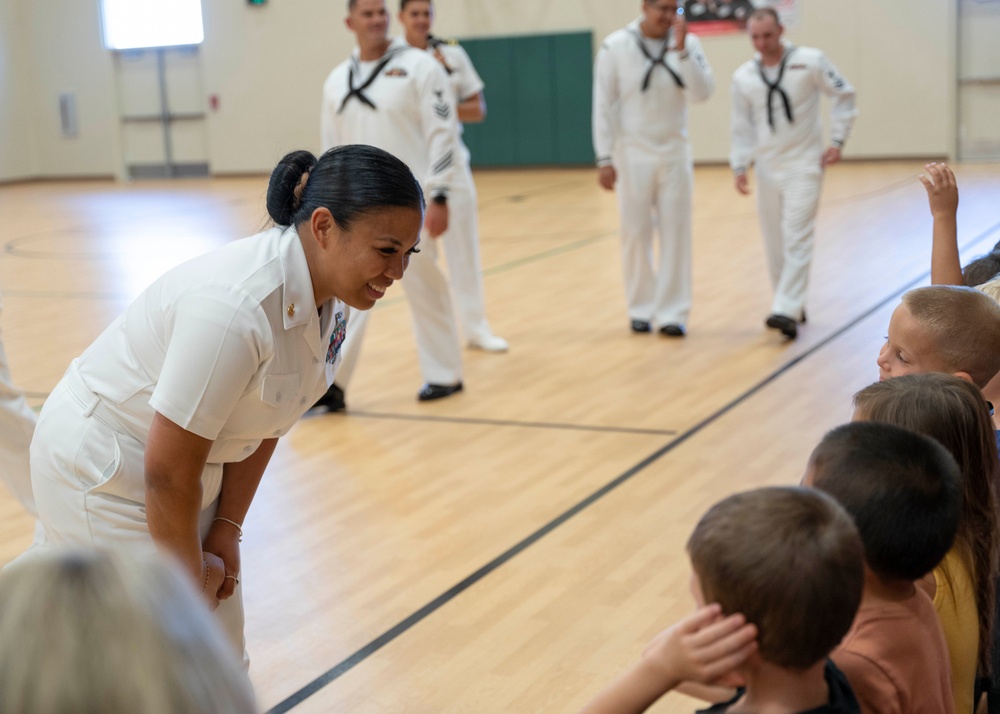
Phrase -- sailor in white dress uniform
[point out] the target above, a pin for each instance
(461, 241)
(396, 97)
(776, 127)
(644, 76)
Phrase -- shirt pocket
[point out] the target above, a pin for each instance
(279, 389)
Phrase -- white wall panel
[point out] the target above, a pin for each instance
(16, 81)
(266, 65)
(65, 53)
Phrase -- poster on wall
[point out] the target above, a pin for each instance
(720, 17)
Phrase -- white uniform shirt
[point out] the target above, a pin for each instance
(463, 78)
(229, 346)
(414, 117)
(462, 75)
(651, 120)
(807, 74)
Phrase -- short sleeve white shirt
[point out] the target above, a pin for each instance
(230, 346)
(808, 75)
(462, 75)
(407, 109)
(463, 78)
(651, 119)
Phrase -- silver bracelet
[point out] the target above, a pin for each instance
(233, 523)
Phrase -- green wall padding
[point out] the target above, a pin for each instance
(538, 96)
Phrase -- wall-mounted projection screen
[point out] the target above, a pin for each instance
(136, 24)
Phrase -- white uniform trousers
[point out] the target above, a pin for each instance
(656, 185)
(433, 316)
(461, 248)
(17, 424)
(89, 486)
(787, 202)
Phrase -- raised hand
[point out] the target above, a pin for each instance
(680, 27)
(942, 189)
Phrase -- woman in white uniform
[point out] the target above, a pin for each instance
(158, 435)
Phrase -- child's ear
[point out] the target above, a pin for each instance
(963, 375)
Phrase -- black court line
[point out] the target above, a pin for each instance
(581, 243)
(908, 182)
(541, 190)
(11, 246)
(507, 422)
(511, 265)
(463, 585)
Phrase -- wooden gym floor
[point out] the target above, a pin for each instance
(512, 548)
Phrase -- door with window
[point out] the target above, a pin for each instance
(159, 85)
(979, 80)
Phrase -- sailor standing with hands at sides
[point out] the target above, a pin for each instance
(396, 97)
(776, 127)
(158, 434)
(461, 242)
(644, 76)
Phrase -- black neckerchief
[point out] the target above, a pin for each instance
(359, 92)
(774, 88)
(435, 43)
(655, 62)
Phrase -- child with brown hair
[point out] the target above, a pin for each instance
(943, 328)
(786, 560)
(903, 491)
(963, 585)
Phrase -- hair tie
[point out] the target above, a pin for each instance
(299, 187)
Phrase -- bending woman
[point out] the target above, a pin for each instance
(160, 432)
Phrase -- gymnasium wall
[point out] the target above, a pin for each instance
(540, 89)
(267, 64)
(899, 54)
(15, 130)
(60, 51)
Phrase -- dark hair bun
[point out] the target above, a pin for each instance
(349, 181)
(281, 202)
